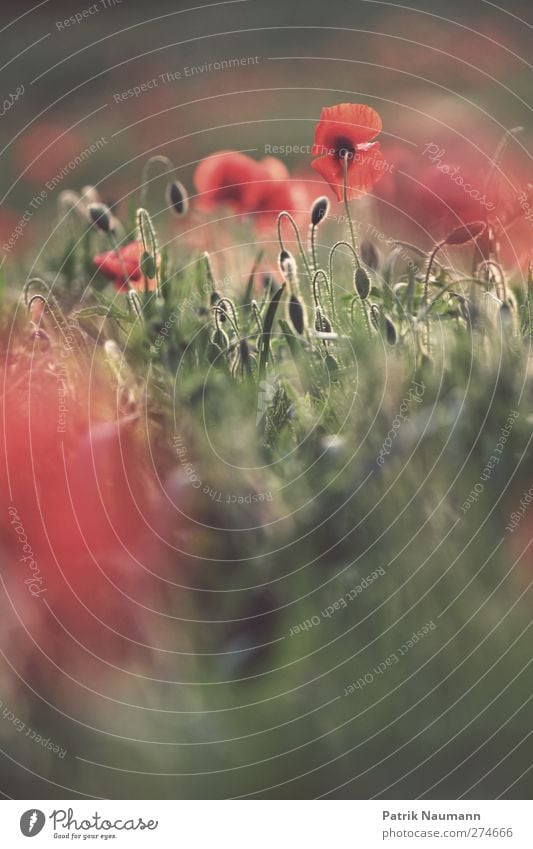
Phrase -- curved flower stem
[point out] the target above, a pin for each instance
(287, 215)
(316, 290)
(432, 256)
(346, 204)
(312, 243)
(159, 159)
(330, 265)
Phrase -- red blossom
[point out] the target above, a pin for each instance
(228, 178)
(123, 266)
(345, 132)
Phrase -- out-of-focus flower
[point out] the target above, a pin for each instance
(82, 511)
(123, 266)
(278, 192)
(228, 178)
(345, 133)
(259, 189)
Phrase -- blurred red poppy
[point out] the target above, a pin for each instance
(278, 192)
(82, 509)
(228, 178)
(345, 133)
(124, 266)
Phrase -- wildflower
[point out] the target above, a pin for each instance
(260, 189)
(230, 179)
(344, 134)
(123, 267)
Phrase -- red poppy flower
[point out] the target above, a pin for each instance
(344, 132)
(124, 266)
(229, 179)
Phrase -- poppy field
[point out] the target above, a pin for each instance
(266, 282)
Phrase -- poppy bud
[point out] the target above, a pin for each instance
(319, 210)
(288, 267)
(467, 233)
(100, 216)
(362, 283)
(390, 330)
(369, 254)
(322, 323)
(177, 199)
(147, 265)
(296, 314)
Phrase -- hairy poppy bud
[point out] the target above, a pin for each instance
(100, 216)
(369, 254)
(148, 265)
(177, 198)
(296, 314)
(466, 233)
(390, 331)
(319, 210)
(288, 267)
(322, 323)
(362, 283)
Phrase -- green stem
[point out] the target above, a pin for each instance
(346, 204)
(298, 239)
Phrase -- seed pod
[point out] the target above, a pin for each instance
(369, 254)
(322, 323)
(148, 265)
(177, 198)
(466, 233)
(100, 217)
(288, 267)
(390, 331)
(296, 314)
(362, 283)
(319, 210)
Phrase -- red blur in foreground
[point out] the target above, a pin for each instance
(80, 510)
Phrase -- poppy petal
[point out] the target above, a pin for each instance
(348, 122)
(364, 171)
